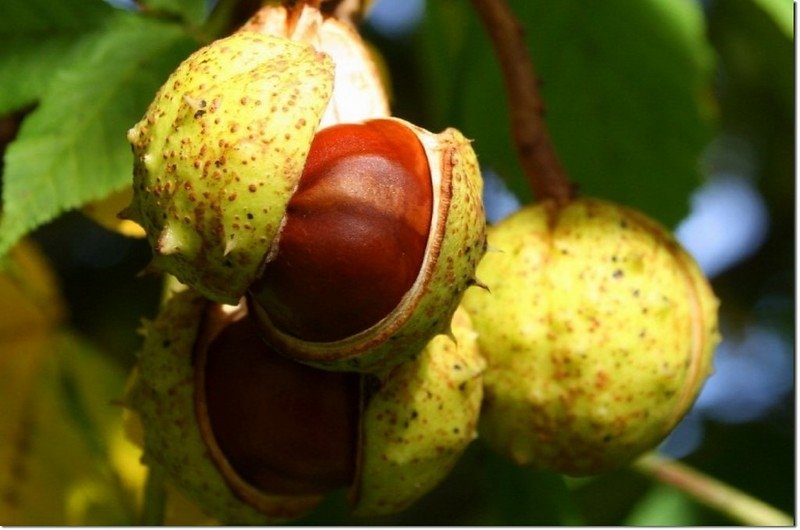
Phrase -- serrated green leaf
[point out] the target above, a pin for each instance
(626, 86)
(192, 11)
(38, 36)
(72, 149)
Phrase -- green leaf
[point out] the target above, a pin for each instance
(444, 33)
(755, 41)
(626, 86)
(72, 149)
(193, 11)
(781, 13)
(59, 449)
(663, 506)
(38, 36)
(522, 496)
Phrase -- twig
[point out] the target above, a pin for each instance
(536, 152)
(717, 495)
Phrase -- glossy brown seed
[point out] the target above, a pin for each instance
(285, 428)
(355, 233)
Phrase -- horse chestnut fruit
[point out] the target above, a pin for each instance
(354, 241)
(598, 332)
(218, 155)
(283, 427)
(355, 232)
(254, 437)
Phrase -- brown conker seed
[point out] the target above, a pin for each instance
(285, 428)
(355, 233)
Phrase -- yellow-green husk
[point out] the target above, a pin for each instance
(598, 330)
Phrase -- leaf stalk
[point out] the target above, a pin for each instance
(726, 499)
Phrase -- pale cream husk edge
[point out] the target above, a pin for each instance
(359, 93)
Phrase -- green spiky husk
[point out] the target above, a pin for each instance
(455, 247)
(219, 153)
(415, 427)
(163, 395)
(598, 331)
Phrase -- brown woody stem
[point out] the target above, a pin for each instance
(536, 152)
(736, 504)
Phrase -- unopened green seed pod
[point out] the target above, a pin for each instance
(598, 330)
(253, 437)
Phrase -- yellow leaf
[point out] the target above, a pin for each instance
(104, 212)
(57, 399)
(64, 456)
(31, 301)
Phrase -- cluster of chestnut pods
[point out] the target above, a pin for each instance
(322, 342)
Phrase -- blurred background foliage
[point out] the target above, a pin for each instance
(683, 109)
